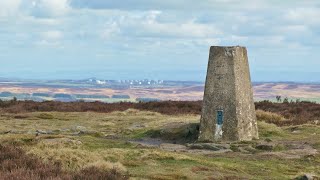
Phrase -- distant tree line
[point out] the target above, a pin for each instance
(286, 100)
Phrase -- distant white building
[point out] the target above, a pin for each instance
(101, 82)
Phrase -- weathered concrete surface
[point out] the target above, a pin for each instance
(228, 89)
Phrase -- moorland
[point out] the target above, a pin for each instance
(155, 140)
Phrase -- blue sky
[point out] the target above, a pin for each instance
(159, 39)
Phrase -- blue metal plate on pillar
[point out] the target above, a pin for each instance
(220, 117)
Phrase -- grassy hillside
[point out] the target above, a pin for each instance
(150, 145)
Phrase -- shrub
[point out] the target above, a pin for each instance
(295, 112)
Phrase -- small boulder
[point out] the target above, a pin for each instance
(307, 177)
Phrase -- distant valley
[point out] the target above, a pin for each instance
(93, 89)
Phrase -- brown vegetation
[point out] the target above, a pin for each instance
(15, 164)
(269, 117)
(294, 112)
(166, 107)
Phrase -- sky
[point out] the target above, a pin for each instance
(158, 39)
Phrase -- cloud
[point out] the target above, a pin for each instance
(308, 16)
(9, 8)
(172, 32)
(148, 25)
(170, 5)
(112, 28)
(128, 5)
(50, 38)
(48, 8)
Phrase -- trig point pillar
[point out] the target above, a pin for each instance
(228, 112)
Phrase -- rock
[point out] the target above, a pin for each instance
(307, 177)
(180, 133)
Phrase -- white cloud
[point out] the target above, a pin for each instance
(9, 7)
(146, 24)
(304, 16)
(49, 8)
(43, 21)
(188, 29)
(50, 38)
(203, 5)
(112, 28)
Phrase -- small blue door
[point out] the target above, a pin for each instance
(219, 117)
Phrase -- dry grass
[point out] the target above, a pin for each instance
(267, 130)
(295, 112)
(73, 159)
(86, 140)
(269, 117)
(16, 165)
(124, 123)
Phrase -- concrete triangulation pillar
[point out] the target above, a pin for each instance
(228, 112)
